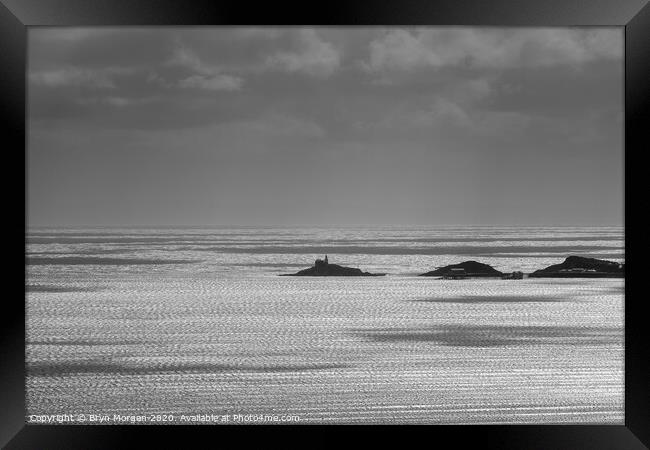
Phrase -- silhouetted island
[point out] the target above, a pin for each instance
(322, 268)
(581, 267)
(464, 270)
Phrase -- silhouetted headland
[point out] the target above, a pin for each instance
(467, 269)
(322, 268)
(581, 267)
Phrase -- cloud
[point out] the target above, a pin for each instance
(206, 76)
(177, 67)
(217, 82)
(75, 76)
(312, 56)
(407, 50)
(184, 57)
(115, 101)
(265, 33)
(72, 34)
(441, 113)
(400, 49)
(258, 50)
(470, 91)
(451, 115)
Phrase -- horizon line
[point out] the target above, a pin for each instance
(220, 226)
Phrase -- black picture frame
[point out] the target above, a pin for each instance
(17, 15)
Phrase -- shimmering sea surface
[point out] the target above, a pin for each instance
(197, 321)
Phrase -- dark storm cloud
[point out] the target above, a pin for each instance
(301, 125)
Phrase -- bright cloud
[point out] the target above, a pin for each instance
(313, 56)
(218, 82)
(206, 76)
(401, 49)
(73, 76)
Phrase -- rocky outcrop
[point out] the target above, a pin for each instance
(322, 268)
(465, 269)
(581, 267)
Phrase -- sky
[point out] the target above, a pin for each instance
(289, 126)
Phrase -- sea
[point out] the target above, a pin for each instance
(195, 325)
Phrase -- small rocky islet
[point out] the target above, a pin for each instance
(322, 268)
(572, 267)
(581, 267)
(467, 268)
